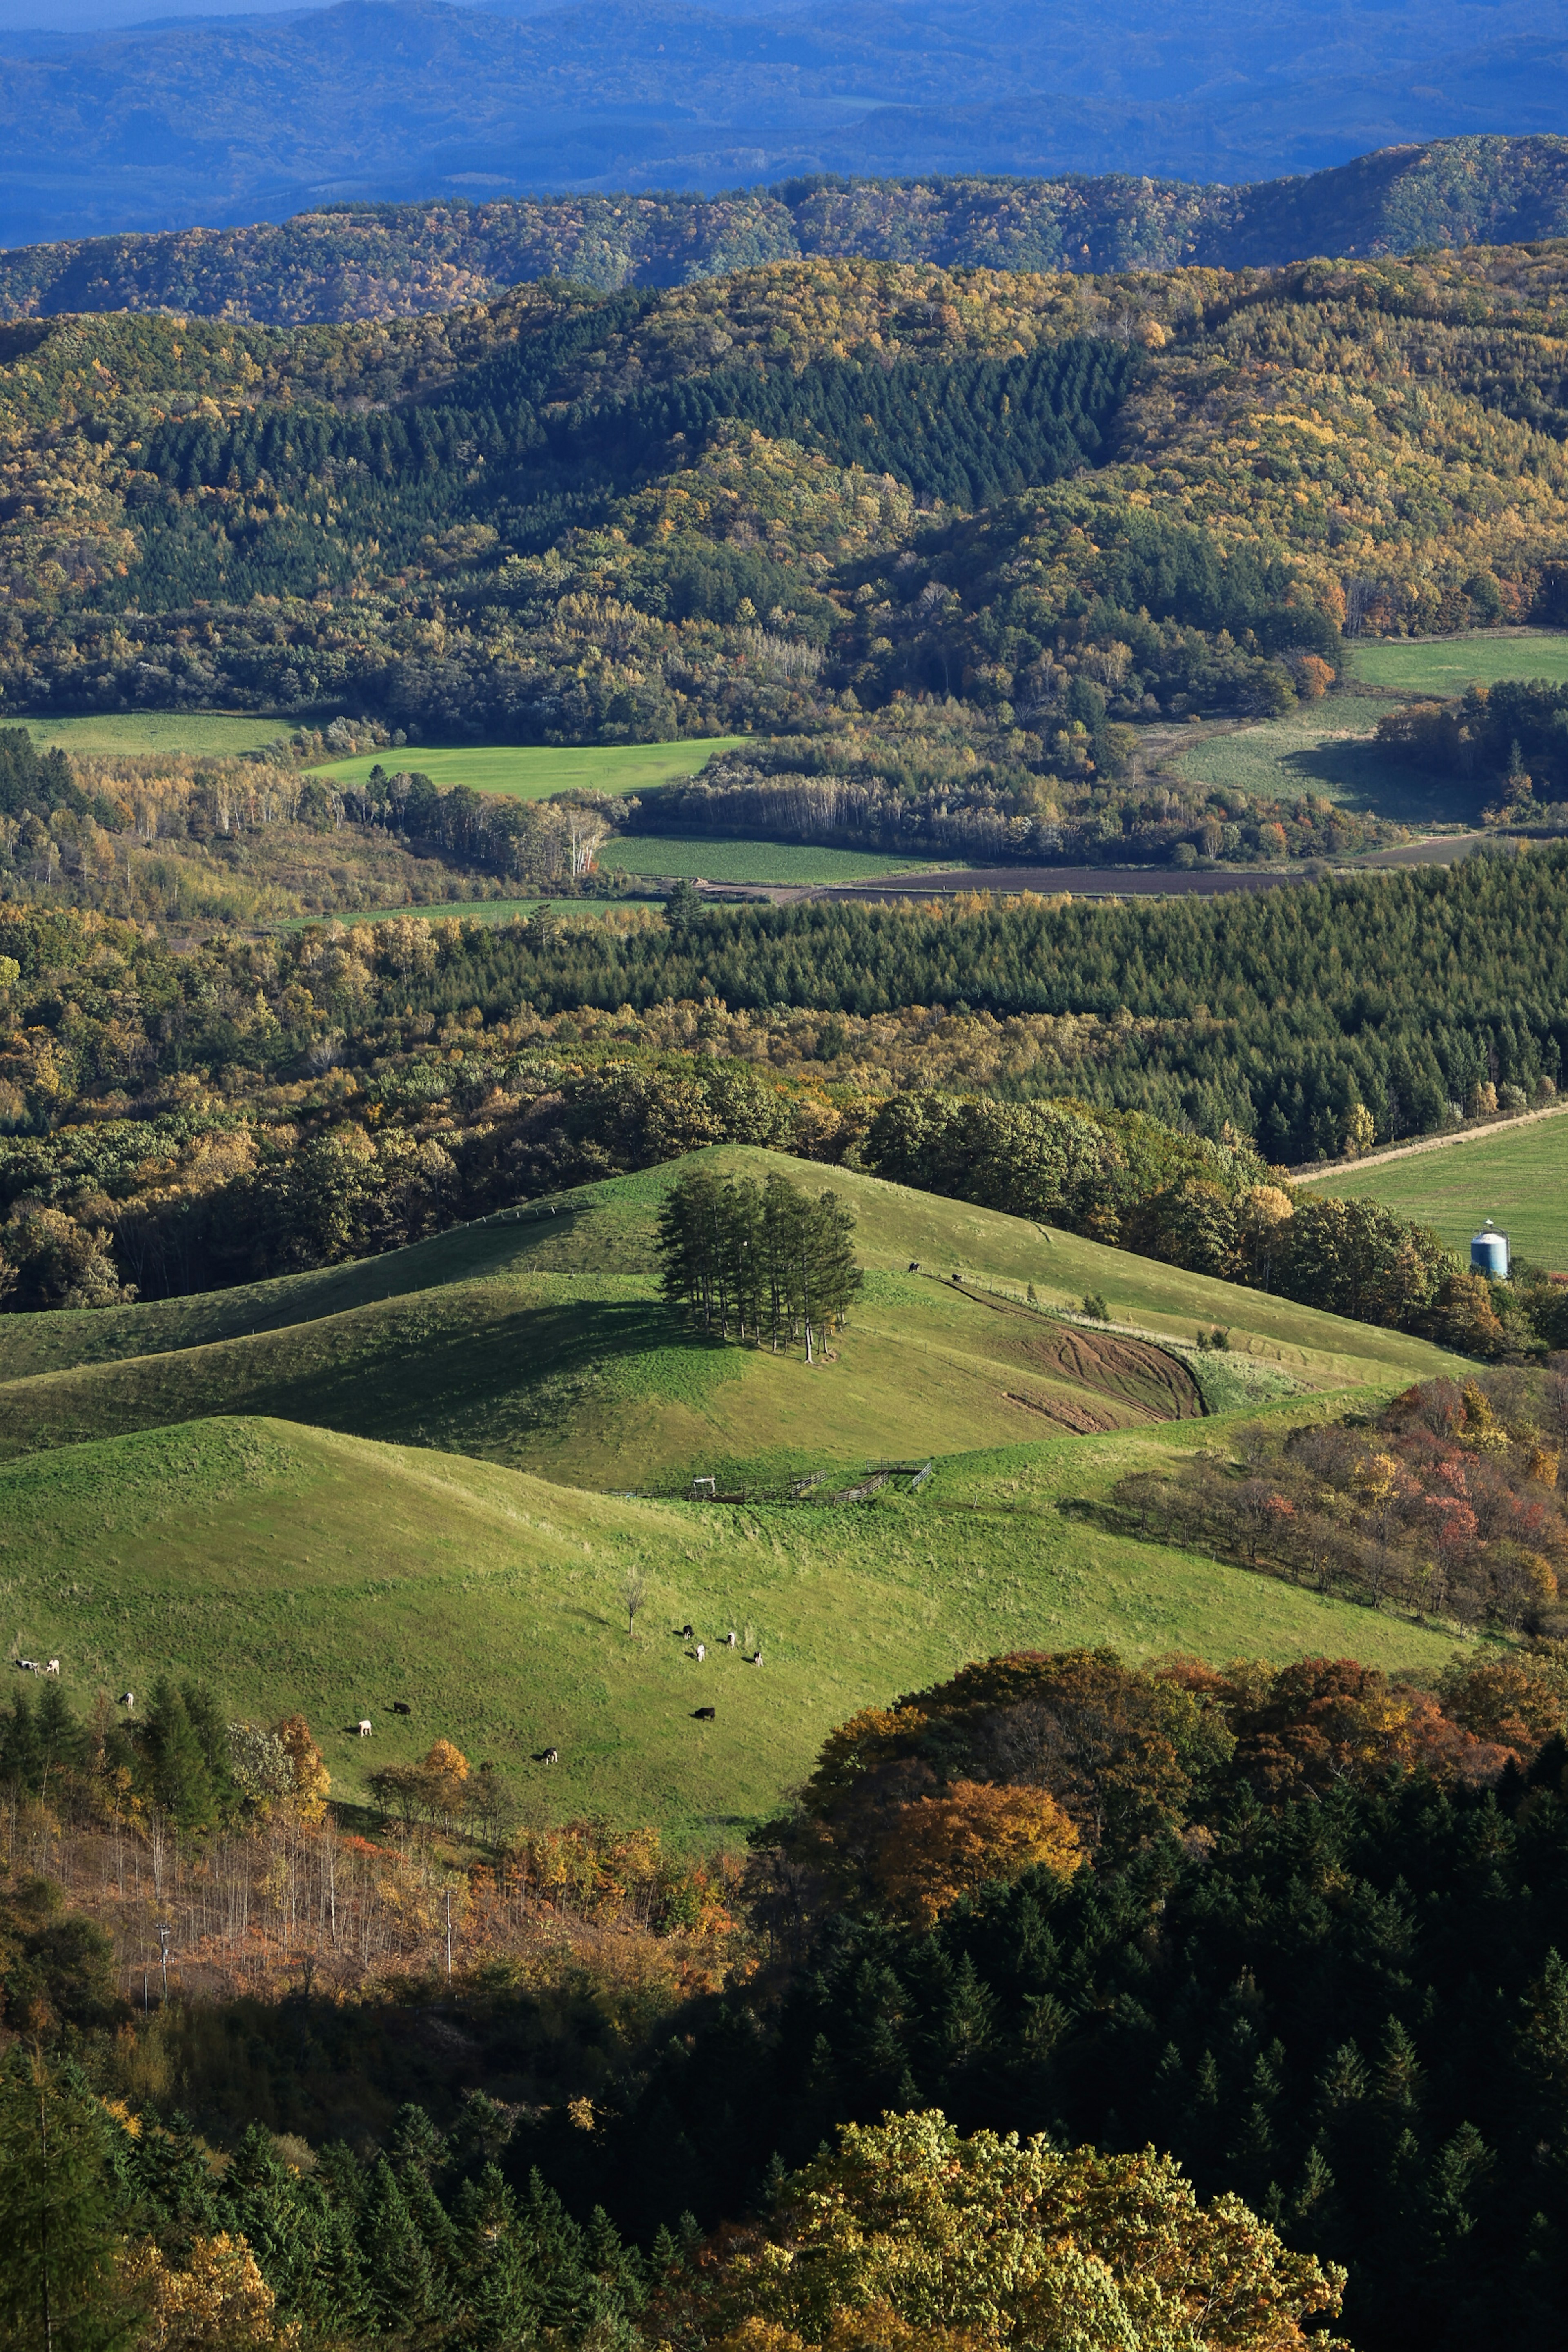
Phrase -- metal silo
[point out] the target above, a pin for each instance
(1488, 1252)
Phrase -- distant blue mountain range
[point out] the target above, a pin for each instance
(224, 120)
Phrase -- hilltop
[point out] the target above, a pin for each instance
(346, 260)
(539, 1339)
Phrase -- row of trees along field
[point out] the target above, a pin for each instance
(760, 1259)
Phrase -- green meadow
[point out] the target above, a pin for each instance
(532, 772)
(1329, 751)
(296, 1568)
(1444, 666)
(127, 734)
(1518, 1176)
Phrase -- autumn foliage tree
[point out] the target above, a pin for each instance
(943, 1847)
(910, 2234)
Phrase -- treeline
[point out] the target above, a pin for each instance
(1409, 994)
(116, 2225)
(1447, 1506)
(178, 1759)
(1511, 739)
(763, 1261)
(181, 1121)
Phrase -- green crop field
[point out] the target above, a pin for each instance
(406, 1479)
(532, 772)
(1517, 1176)
(753, 861)
(133, 733)
(1327, 748)
(1447, 664)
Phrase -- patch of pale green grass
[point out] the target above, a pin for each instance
(532, 772)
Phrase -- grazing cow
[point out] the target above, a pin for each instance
(550, 1755)
(364, 1726)
(729, 1641)
(701, 1652)
(914, 1265)
(401, 1706)
(686, 1633)
(756, 1657)
(53, 1668)
(705, 1714)
(29, 1665)
(127, 1698)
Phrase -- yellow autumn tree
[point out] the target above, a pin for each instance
(445, 1770)
(909, 2235)
(220, 2302)
(943, 1847)
(313, 1782)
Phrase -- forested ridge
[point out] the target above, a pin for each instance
(942, 540)
(355, 261)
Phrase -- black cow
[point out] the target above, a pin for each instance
(705, 1714)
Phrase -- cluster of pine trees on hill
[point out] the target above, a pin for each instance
(760, 1261)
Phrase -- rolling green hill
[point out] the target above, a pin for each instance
(293, 1568)
(542, 1343)
(375, 1482)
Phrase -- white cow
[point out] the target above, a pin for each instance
(364, 1726)
(53, 1668)
(701, 1652)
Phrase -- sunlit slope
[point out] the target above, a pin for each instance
(295, 1568)
(542, 1343)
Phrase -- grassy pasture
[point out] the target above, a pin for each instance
(1327, 750)
(1517, 1176)
(532, 772)
(1444, 666)
(542, 1344)
(130, 734)
(754, 861)
(290, 1567)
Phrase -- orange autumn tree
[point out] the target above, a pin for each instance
(945, 1847)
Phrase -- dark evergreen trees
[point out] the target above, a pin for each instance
(758, 1262)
